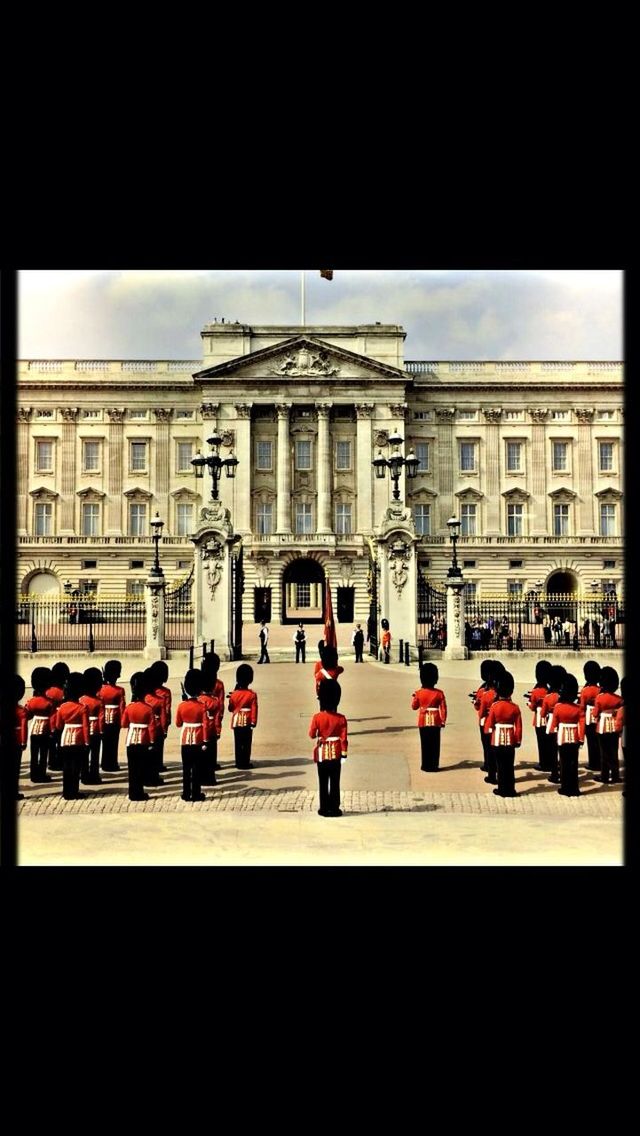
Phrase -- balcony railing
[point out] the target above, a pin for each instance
(307, 538)
(102, 540)
(603, 541)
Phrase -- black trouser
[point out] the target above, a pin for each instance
(72, 758)
(430, 748)
(593, 749)
(110, 739)
(609, 757)
(55, 761)
(136, 762)
(552, 754)
(192, 762)
(485, 739)
(264, 654)
(39, 749)
(151, 766)
(209, 762)
(91, 764)
(242, 744)
(490, 761)
(387, 654)
(359, 658)
(504, 757)
(544, 757)
(329, 782)
(568, 755)
(300, 650)
(159, 747)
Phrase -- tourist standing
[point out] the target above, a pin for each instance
(263, 635)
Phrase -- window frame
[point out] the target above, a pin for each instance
(519, 442)
(341, 531)
(308, 507)
(474, 445)
(614, 517)
(83, 452)
(515, 510)
(263, 505)
(425, 506)
(468, 505)
(344, 442)
(426, 443)
(263, 442)
(139, 442)
(94, 505)
(557, 505)
(44, 505)
(296, 450)
(36, 459)
(188, 468)
(603, 470)
(566, 442)
(180, 507)
(138, 505)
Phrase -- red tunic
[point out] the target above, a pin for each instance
(386, 640)
(536, 698)
(487, 698)
(620, 724)
(588, 695)
(141, 721)
(160, 710)
(321, 672)
(431, 706)
(605, 711)
(331, 731)
(476, 702)
(243, 707)
(95, 706)
(164, 693)
(548, 706)
(568, 721)
(212, 708)
(192, 715)
(55, 695)
(72, 719)
(218, 692)
(113, 700)
(40, 711)
(21, 726)
(504, 723)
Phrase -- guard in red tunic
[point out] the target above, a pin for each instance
(243, 708)
(213, 689)
(159, 673)
(92, 683)
(55, 693)
(567, 723)
(40, 711)
(487, 698)
(327, 667)
(139, 721)
(21, 736)
(113, 700)
(330, 731)
(475, 696)
(556, 679)
(72, 722)
(192, 716)
(159, 707)
(605, 710)
(386, 640)
(535, 698)
(588, 695)
(621, 728)
(432, 716)
(504, 724)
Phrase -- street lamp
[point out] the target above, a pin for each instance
(395, 462)
(215, 464)
(453, 524)
(157, 525)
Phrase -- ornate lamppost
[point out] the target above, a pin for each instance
(456, 647)
(453, 524)
(395, 462)
(157, 525)
(214, 463)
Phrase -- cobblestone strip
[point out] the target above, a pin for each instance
(597, 804)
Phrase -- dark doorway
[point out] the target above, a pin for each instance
(262, 605)
(561, 583)
(345, 605)
(303, 591)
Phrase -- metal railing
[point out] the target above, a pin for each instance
(179, 615)
(550, 621)
(79, 624)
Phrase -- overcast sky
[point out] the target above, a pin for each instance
(447, 314)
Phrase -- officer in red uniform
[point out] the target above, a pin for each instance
(139, 721)
(504, 724)
(55, 693)
(327, 667)
(588, 695)
(158, 705)
(213, 689)
(605, 710)
(243, 708)
(21, 736)
(159, 673)
(40, 711)
(113, 699)
(386, 640)
(556, 679)
(535, 698)
(432, 716)
(192, 716)
(567, 723)
(72, 722)
(92, 683)
(487, 698)
(330, 731)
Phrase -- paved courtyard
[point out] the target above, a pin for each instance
(393, 812)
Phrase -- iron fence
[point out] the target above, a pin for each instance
(543, 622)
(178, 616)
(432, 616)
(79, 624)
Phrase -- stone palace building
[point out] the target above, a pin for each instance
(528, 456)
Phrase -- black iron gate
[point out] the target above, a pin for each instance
(235, 614)
(432, 615)
(178, 616)
(374, 611)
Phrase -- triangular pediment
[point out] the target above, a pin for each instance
(302, 357)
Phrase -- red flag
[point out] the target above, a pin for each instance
(326, 273)
(330, 638)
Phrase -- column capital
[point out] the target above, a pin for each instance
(538, 414)
(115, 414)
(23, 413)
(492, 413)
(69, 413)
(243, 409)
(398, 410)
(364, 409)
(283, 409)
(323, 409)
(585, 415)
(162, 413)
(209, 410)
(444, 413)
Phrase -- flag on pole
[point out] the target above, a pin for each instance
(326, 273)
(330, 638)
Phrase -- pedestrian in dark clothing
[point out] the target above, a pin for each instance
(264, 639)
(300, 641)
(358, 643)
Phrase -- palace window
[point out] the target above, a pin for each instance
(90, 519)
(607, 520)
(90, 456)
(264, 455)
(467, 520)
(343, 455)
(303, 595)
(423, 415)
(559, 415)
(139, 415)
(304, 518)
(514, 457)
(303, 454)
(515, 588)
(560, 520)
(138, 457)
(43, 518)
(184, 454)
(605, 415)
(184, 518)
(135, 589)
(470, 589)
(343, 518)
(93, 414)
(183, 414)
(89, 564)
(421, 450)
(468, 563)
(514, 519)
(512, 416)
(605, 452)
(560, 457)
(264, 518)
(44, 457)
(422, 518)
(467, 416)
(136, 563)
(137, 519)
(468, 457)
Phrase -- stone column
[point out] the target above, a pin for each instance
(323, 520)
(212, 578)
(66, 524)
(444, 441)
(283, 509)
(584, 486)
(455, 648)
(22, 469)
(154, 592)
(364, 457)
(114, 463)
(539, 458)
(398, 587)
(242, 516)
(493, 524)
(163, 418)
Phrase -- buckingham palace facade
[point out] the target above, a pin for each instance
(527, 455)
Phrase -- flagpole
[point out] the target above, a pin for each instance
(302, 296)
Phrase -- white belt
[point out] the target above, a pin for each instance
(502, 734)
(135, 734)
(189, 736)
(240, 718)
(482, 721)
(431, 716)
(549, 720)
(39, 724)
(69, 734)
(93, 729)
(329, 749)
(588, 717)
(606, 724)
(110, 713)
(567, 733)
(538, 718)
